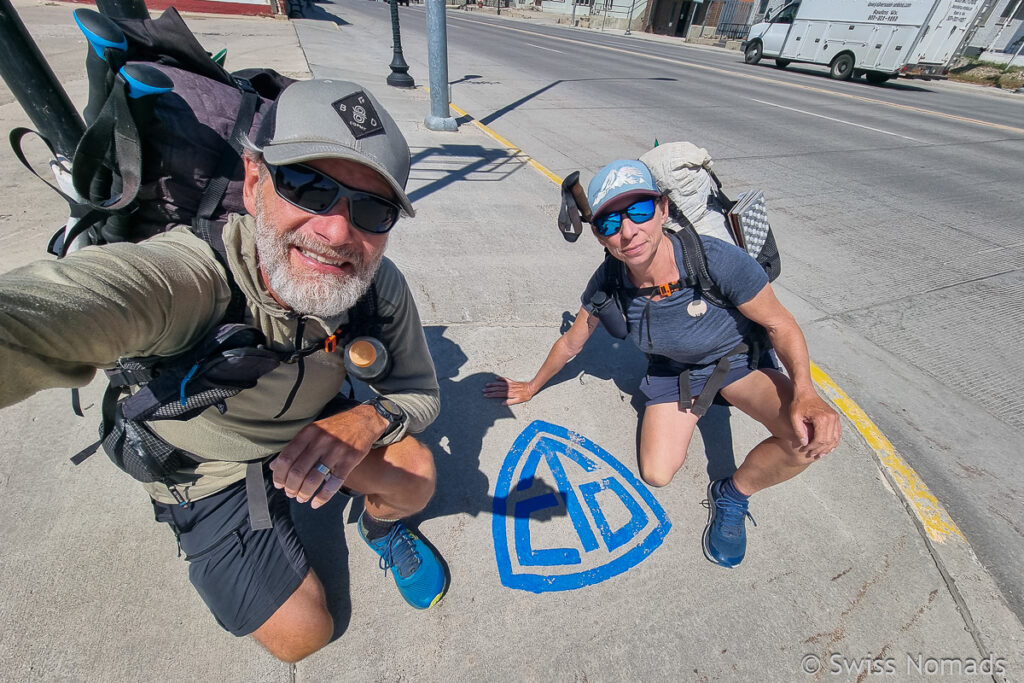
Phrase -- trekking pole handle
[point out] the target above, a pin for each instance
(572, 183)
(100, 31)
(106, 39)
(143, 80)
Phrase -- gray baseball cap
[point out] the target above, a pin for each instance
(331, 119)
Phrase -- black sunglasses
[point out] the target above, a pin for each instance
(312, 191)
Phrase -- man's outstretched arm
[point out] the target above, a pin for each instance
(60, 320)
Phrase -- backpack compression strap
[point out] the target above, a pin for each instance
(92, 157)
(218, 185)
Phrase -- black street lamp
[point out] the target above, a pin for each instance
(399, 76)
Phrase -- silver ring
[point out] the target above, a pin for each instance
(323, 469)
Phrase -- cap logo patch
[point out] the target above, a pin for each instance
(619, 177)
(358, 113)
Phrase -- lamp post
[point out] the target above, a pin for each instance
(399, 76)
(629, 17)
(440, 117)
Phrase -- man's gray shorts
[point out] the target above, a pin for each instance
(244, 576)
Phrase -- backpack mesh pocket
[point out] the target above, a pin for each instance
(141, 453)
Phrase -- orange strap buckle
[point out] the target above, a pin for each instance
(665, 290)
(331, 343)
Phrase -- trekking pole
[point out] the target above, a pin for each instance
(574, 208)
(123, 9)
(33, 84)
(143, 84)
(104, 57)
(105, 54)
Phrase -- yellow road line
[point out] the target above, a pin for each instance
(775, 82)
(933, 516)
(936, 521)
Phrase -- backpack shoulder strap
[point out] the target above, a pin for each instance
(364, 318)
(212, 232)
(613, 285)
(695, 260)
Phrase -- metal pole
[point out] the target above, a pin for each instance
(440, 117)
(572, 20)
(33, 84)
(693, 13)
(123, 9)
(1010, 63)
(605, 17)
(629, 18)
(1002, 28)
(399, 76)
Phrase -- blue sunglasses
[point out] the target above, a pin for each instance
(609, 224)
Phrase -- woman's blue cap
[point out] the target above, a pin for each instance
(625, 177)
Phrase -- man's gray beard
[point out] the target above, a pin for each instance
(317, 294)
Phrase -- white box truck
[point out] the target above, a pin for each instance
(879, 39)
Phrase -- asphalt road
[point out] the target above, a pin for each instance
(898, 211)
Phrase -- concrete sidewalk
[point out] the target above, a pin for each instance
(839, 571)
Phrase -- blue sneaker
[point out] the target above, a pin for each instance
(725, 536)
(417, 570)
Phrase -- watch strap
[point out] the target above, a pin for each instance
(393, 413)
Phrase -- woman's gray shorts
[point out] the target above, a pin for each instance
(661, 383)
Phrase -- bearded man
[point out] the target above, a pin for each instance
(325, 177)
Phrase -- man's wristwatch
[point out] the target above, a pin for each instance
(391, 412)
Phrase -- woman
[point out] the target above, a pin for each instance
(685, 337)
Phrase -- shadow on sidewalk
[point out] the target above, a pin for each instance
(456, 440)
(439, 167)
(308, 9)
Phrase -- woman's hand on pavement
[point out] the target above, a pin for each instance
(512, 391)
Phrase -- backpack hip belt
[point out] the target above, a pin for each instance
(753, 347)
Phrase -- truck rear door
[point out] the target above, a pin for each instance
(945, 30)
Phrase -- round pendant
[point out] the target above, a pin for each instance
(696, 308)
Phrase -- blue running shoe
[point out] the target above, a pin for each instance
(725, 536)
(417, 570)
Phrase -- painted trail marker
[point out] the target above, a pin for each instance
(567, 514)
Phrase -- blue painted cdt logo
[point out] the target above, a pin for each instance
(567, 514)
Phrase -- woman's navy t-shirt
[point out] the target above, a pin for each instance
(666, 329)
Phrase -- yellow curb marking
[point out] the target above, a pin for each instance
(936, 521)
(772, 81)
(933, 516)
(512, 148)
